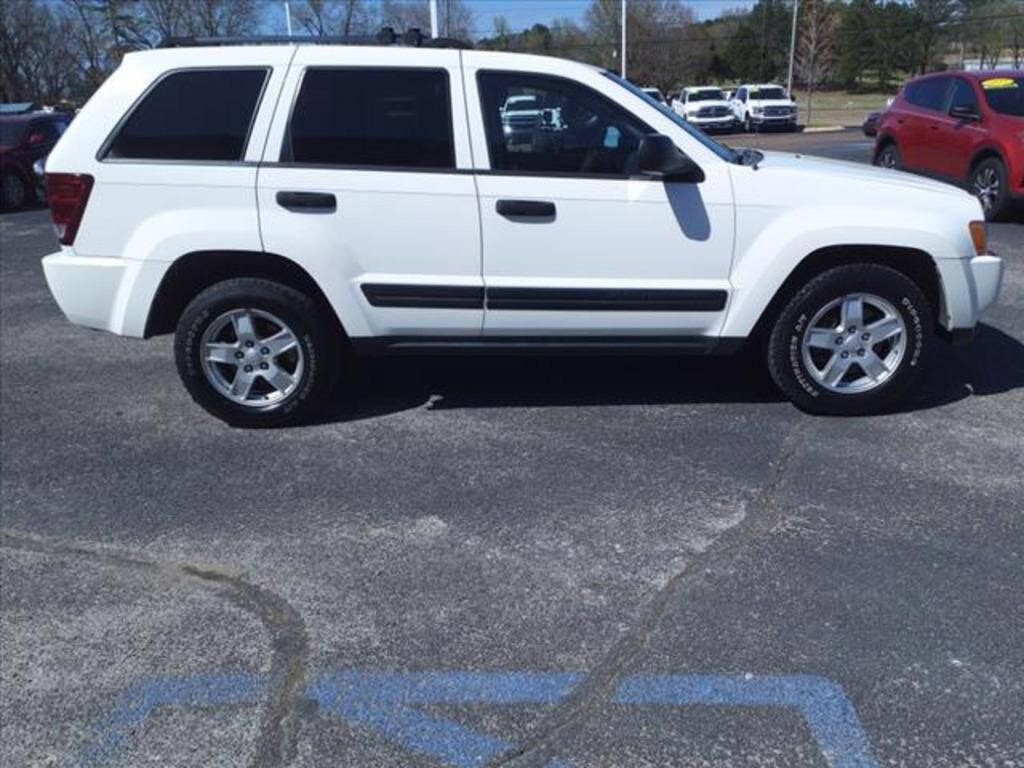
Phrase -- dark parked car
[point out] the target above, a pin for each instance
(870, 124)
(963, 127)
(23, 140)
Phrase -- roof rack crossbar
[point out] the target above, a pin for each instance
(386, 36)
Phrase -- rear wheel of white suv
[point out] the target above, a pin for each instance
(852, 341)
(256, 353)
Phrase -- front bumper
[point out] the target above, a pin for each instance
(109, 294)
(713, 123)
(969, 287)
(773, 119)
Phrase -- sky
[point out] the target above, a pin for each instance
(522, 14)
(525, 13)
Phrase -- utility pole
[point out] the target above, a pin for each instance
(623, 39)
(434, 31)
(792, 50)
(288, 17)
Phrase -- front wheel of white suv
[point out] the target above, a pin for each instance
(256, 353)
(852, 341)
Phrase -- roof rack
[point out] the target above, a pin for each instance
(387, 36)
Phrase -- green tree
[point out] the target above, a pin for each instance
(760, 48)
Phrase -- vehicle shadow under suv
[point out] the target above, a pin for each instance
(993, 364)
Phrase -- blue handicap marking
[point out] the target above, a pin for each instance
(386, 703)
(138, 702)
(823, 703)
(390, 703)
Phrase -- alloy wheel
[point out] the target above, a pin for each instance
(987, 187)
(252, 358)
(854, 343)
(13, 191)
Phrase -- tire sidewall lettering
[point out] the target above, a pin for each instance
(796, 358)
(916, 330)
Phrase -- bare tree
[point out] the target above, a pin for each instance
(335, 17)
(816, 47)
(661, 49)
(455, 18)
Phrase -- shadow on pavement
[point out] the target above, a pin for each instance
(993, 364)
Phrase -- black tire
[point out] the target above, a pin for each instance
(785, 348)
(888, 156)
(15, 192)
(319, 342)
(983, 175)
(748, 126)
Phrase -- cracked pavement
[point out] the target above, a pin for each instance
(173, 591)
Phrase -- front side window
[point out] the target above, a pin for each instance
(541, 124)
(200, 114)
(963, 96)
(392, 117)
(928, 94)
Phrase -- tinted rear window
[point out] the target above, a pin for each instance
(10, 133)
(192, 115)
(372, 117)
(1005, 94)
(929, 94)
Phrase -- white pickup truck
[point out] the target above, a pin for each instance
(225, 194)
(705, 107)
(764, 106)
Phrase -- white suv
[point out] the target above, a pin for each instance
(763, 106)
(706, 107)
(277, 207)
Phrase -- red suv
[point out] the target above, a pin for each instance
(963, 127)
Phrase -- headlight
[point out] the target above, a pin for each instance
(756, 110)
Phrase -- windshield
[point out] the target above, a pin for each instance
(1005, 95)
(765, 94)
(712, 94)
(719, 149)
(10, 133)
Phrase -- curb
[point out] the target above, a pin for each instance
(825, 129)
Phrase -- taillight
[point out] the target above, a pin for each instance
(67, 194)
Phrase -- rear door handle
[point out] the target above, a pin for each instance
(540, 209)
(307, 202)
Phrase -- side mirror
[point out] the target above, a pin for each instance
(964, 112)
(659, 156)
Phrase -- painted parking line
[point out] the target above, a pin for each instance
(389, 703)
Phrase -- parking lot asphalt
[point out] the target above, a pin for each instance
(604, 561)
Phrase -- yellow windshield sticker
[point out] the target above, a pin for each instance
(998, 82)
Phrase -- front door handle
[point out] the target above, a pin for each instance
(307, 202)
(514, 209)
